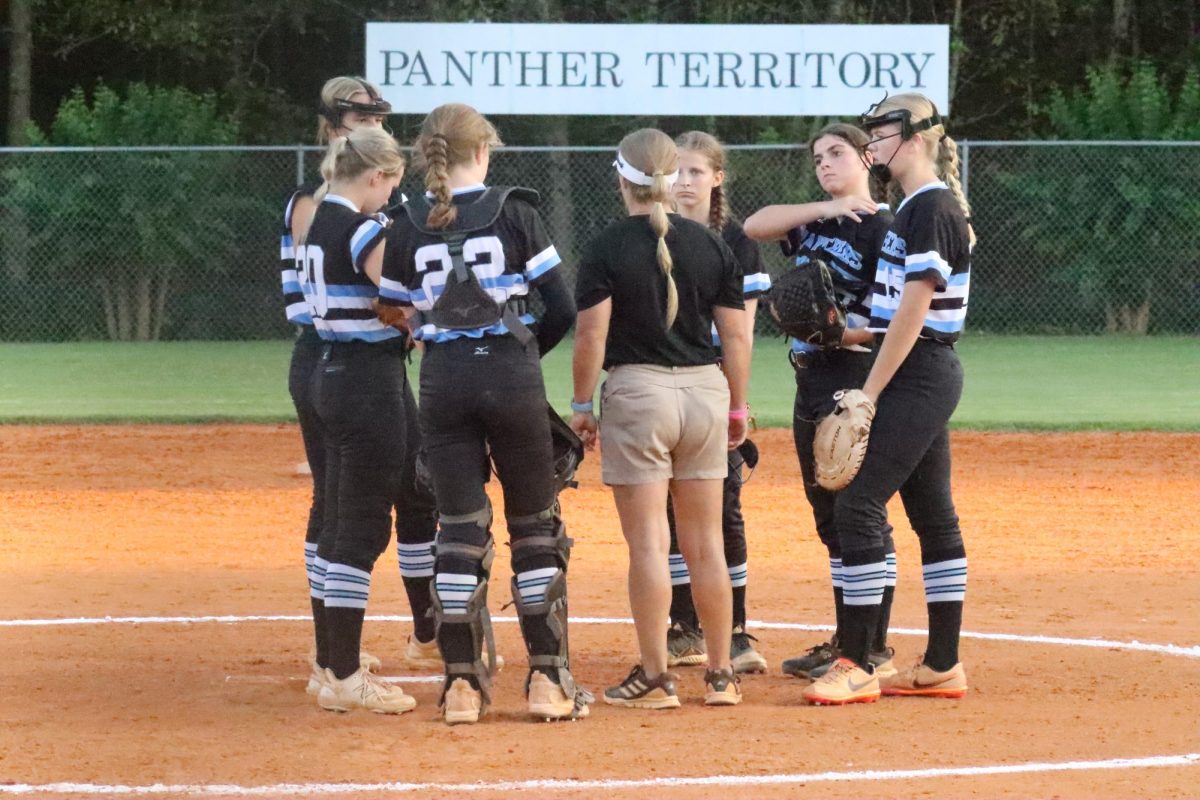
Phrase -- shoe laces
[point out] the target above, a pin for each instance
(633, 674)
(840, 667)
(823, 646)
(744, 638)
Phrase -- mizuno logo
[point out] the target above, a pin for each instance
(482, 351)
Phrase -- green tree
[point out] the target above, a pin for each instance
(1116, 222)
(129, 228)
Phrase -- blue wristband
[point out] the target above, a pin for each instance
(582, 408)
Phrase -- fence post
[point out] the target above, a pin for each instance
(299, 165)
(964, 169)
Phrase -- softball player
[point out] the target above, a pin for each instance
(847, 232)
(918, 306)
(651, 287)
(359, 391)
(347, 104)
(459, 265)
(700, 196)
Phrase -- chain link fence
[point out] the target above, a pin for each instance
(182, 243)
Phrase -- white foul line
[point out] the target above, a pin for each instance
(211, 790)
(1192, 651)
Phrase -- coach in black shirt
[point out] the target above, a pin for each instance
(648, 292)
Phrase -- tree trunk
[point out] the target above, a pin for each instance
(160, 306)
(143, 296)
(110, 311)
(121, 291)
(1122, 14)
(20, 60)
(956, 49)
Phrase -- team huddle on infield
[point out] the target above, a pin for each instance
(664, 304)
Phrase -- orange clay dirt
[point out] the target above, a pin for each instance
(1069, 535)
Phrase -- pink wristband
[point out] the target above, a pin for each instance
(741, 413)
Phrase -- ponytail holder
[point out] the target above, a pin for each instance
(740, 413)
(942, 138)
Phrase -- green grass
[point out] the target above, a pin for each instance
(1033, 383)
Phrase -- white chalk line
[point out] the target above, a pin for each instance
(210, 790)
(281, 679)
(1186, 651)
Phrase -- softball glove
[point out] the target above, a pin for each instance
(804, 304)
(840, 442)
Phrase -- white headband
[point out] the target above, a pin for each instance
(635, 175)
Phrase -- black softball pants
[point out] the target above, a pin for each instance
(908, 452)
(306, 354)
(359, 390)
(480, 398)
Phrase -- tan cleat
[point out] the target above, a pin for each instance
(316, 679)
(363, 690)
(427, 656)
(463, 703)
(369, 662)
(423, 655)
(547, 700)
(922, 681)
(884, 666)
(844, 683)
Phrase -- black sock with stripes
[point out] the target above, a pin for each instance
(839, 610)
(879, 643)
(739, 607)
(344, 635)
(320, 632)
(420, 601)
(859, 630)
(945, 622)
(683, 610)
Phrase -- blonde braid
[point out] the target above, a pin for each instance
(659, 192)
(718, 209)
(437, 181)
(946, 164)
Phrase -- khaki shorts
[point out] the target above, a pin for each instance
(664, 422)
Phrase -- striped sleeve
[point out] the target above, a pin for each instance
(368, 234)
(928, 249)
(295, 306)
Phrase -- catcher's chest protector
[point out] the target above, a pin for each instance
(464, 304)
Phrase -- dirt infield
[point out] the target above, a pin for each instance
(1078, 536)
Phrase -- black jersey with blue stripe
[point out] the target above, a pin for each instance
(929, 240)
(295, 306)
(507, 258)
(755, 280)
(339, 295)
(851, 249)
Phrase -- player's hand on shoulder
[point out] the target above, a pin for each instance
(851, 207)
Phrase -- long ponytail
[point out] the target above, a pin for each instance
(652, 152)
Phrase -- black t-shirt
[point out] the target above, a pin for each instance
(621, 264)
(756, 281)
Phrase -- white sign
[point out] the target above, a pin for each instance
(685, 70)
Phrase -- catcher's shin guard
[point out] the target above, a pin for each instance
(474, 616)
(544, 622)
